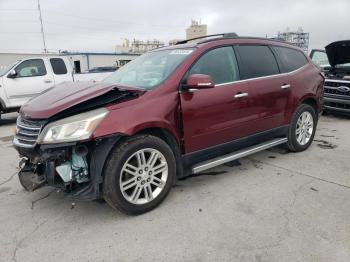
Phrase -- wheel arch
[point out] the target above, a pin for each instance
(160, 132)
(311, 101)
(173, 143)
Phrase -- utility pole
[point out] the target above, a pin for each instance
(42, 27)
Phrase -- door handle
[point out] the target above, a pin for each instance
(285, 86)
(47, 81)
(240, 95)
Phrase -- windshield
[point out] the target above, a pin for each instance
(5, 69)
(150, 69)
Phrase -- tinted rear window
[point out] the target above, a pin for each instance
(257, 61)
(291, 59)
(58, 66)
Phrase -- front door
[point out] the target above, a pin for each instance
(217, 115)
(31, 79)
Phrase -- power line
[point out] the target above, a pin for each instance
(17, 10)
(110, 20)
(14, 33)
(22, 21)
(89, 28)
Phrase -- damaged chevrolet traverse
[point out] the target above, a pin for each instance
(169, 113)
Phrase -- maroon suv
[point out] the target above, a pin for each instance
(169, 113)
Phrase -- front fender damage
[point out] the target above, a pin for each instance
(76, 168)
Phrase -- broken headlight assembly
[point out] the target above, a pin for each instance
(74, 128)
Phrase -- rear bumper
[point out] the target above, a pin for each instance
(39, 168)
(337, 104)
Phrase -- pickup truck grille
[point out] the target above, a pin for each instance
(27, 132)
(337, 88)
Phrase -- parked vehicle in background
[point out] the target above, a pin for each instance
(102, 69)
(171, 112)
(31, 76)
(334, 61)
(320, 59)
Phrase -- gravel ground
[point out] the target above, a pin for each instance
(271, 206)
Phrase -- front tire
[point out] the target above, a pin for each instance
(139, 174)
(302, 128)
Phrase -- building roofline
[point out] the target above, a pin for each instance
(98, 53)
(69, 53)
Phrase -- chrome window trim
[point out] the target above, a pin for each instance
(262, 77)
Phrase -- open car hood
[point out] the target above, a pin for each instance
(73, 97)
(338, 52)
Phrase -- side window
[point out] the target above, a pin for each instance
(257, 61)
(291, 59)
(58, 66)
(219, 63)
(32, 67)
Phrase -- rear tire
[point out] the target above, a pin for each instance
(302, 128)
(139, 174)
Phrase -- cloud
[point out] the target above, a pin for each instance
(99, 25)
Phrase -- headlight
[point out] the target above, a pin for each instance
(74, 128)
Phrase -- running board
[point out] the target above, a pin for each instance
(238, 154)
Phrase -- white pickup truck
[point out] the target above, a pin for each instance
(31, 76)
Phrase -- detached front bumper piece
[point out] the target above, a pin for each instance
(76, 168)
(29, 179)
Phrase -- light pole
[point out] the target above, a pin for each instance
(42, 27)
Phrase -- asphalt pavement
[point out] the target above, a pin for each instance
(271, 206)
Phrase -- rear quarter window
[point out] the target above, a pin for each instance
(58, 66)
(291, 59)
(257, 61)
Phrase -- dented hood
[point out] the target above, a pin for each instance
(73, 95)
(338, 52)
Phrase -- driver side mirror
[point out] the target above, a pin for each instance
(199, 81)
(12, 74)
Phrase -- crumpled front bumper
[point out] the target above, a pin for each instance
(38, 167)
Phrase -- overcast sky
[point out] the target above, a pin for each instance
(99, 25)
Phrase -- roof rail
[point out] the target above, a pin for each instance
(223, 35)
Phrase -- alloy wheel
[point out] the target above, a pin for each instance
(304, 128)
(143, 176)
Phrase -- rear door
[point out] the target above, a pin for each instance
(216, 115)
(268, 88)
(60, 70)
(32, 78)
(295, 64)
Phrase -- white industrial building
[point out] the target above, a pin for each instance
(197, 29)
(82, 61)
(86, 61)
(298, 38)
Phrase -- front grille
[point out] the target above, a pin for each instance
(338, 106)
(27, 132)
(332, 87)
